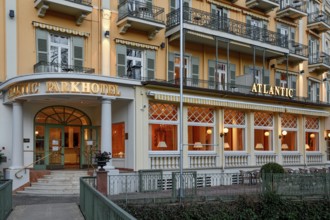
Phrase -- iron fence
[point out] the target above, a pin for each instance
(6, 204)
(44, 66)
(318, 16)
(94, 205)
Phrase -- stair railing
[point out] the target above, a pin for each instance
(24, 168)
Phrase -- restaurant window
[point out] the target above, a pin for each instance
(312, 130)
(235, 122)
(118, 140)
(200, 129)
(163, 127)
(289, 132)
(263, 131)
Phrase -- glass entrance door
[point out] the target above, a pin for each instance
(55, 147)
(89, 145)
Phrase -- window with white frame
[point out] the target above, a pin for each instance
(286, 80)
(135, 63)
(163, 127)
(313, 90)
(312, 131)
(263, 131)
(177, 63)
(289, 132)
(234, 139)
(200, 128)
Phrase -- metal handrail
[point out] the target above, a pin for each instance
(24, 168)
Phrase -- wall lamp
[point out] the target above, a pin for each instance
(11, 13)
(162, 45)
(224, 132)
(328, 136)
(107, 34)
(272, 66)
(302, 71)
(325, 79)
(283, 134)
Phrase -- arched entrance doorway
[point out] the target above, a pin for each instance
(64, 138)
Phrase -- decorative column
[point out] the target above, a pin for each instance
(106, 129)
(17, 136)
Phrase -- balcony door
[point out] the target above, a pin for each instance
(59, 52)
(221, 76)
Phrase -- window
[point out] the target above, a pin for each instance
(313, 50)
(200, 128)
(190, 71)
(235, 121)
(289, 125)
(118, 140)
(175, 4)
(254, 75)
(256, 28)
(263, 131)
(312, 130)
(135, 63)
(177, 68)
(283, 79)
(58, 52)
(313, 90)
(163, 127)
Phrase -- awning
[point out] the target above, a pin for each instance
(286, 22)
(254, 15)
(284, 71)
(224, 5)
(209, 37)
(136, 44)
(59, 29)
(202, 100)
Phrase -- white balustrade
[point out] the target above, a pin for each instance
(314, 157)
(263, 158)
(236, 159)
(291, 158)
(202, 161)
(164, 161)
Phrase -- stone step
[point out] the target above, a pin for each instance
(55, 184)
(66, 187)
(49, 192)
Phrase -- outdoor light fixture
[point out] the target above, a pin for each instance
(327, 137)
(325, 79)
(107, 34)
(283, 134)
(225, 131)
(301, 71)
(162, 45)
(11, 13)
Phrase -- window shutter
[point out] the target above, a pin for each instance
(317, 91)
(195, 70)
(248, 25)
(78, 51)
(211, 73)
(121, 60)
(214, 18)
(309, 89)
(247, 69)
(170, 67)
(294, 84)
(277, 78)
(292, 30)
(265, 77)
(172, 5)
(42, 45)
(151, 55)
(232, 74)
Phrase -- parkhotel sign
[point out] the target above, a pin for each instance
(272, 90)
(60, 87)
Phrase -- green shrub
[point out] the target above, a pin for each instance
(271, 168)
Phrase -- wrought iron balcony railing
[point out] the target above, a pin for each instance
(293, 4)
(275, 1)
(298, 49)
(232, 88)
(141, 10)
(318, 17)
(319, 58)
(214, 22)
(83, 2)
(47, 67)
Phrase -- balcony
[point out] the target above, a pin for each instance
(203, 27)
(77, 8)
(262, 5)
(46, 67)
(319, 62)
(293, 9)
(318, 22)
(298, 52)
(140, 16)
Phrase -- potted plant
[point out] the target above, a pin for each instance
(101, 158)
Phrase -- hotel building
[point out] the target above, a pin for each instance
(78, 76)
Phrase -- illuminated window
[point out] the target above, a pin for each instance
(235, 121)
(263, 131)
(312, 131)
(289, 124)
(163, 127)
(200, 128)
(118, 140)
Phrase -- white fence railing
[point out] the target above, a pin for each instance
(313, 158)
(291, 158)
(164, 161)
(202, 161)
(262, 159)
(236, 159)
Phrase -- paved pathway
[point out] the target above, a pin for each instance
(45, 207)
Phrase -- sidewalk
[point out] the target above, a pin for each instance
(45, 207)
